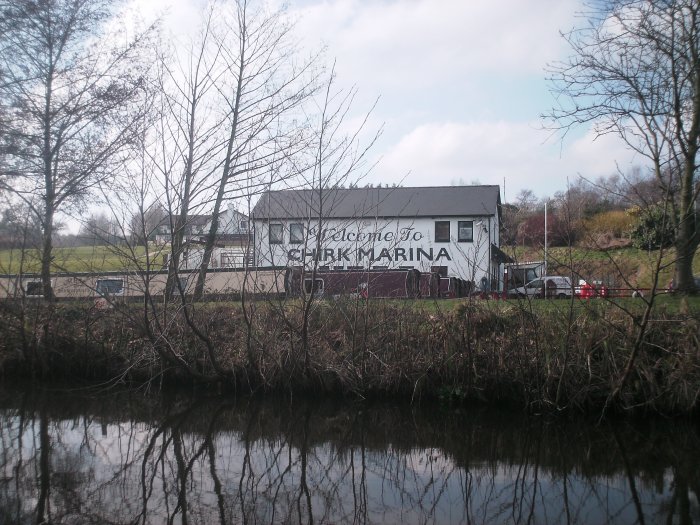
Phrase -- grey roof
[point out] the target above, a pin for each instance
(192, 220)
(443, 201)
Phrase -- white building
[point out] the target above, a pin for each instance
(232, 248)
(453, 230)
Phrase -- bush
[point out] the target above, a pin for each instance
(653, 228)
(618, 223)
(559, 231)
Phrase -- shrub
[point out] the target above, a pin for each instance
(618, 223)
(653, 228)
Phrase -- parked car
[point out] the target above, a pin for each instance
(550, 286)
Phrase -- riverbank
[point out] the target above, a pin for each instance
(542, 356)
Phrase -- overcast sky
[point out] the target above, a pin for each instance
(461, 87)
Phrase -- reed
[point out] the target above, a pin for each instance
(563, 358)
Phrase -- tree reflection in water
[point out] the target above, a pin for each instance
(131, 460)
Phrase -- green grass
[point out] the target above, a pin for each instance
(81, 259)
(663, 303)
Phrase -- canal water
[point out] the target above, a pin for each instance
(136, 458)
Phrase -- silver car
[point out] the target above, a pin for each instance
(554, 286)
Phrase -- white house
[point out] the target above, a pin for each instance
(232, 248)
(453, 230)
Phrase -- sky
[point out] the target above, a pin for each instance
(460, 87)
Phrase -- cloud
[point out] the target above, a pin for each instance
(461, 85)
(438, 154)
(419, 43)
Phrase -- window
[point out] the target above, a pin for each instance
(244, 225)
(109, 286)
(317, 288)
(33, 288)
(465, 231)
(440, 270)
(536, 284)
(442, 231)
(276, 234)
(296, 233)
(231, 260)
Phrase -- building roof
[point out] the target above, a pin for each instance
(342, 203)
(201, 219)
(192, 220)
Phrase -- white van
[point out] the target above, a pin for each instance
(551, 286)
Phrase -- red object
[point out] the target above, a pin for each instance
(587, 291)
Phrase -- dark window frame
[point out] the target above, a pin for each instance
(109, 287)
(275, 239)
(439, 236)
(317, 288)
(459, 232)
(292, 227)
(33, 289)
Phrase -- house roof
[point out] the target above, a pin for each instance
(343, 203)
(201, 219)
(192, 220)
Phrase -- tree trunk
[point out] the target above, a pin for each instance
(228, 161)
(176, 245)
(687, 237)
(50, 196)
(208, 249)
(180, 225)
(46, 254)
(686, 245)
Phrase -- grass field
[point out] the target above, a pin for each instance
(82, 259)
(663, 303)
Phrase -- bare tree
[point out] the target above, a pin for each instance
(188, 142)
(527, 201)
(261, 87)
(144, 223)
(338, 156)
(67, 86)
(635, 72)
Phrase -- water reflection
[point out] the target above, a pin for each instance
(133, 460)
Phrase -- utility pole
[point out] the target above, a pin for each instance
(545, 237)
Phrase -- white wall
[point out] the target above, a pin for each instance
(393, 243)
(230, 221)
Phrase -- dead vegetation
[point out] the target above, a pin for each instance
(566, 356)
